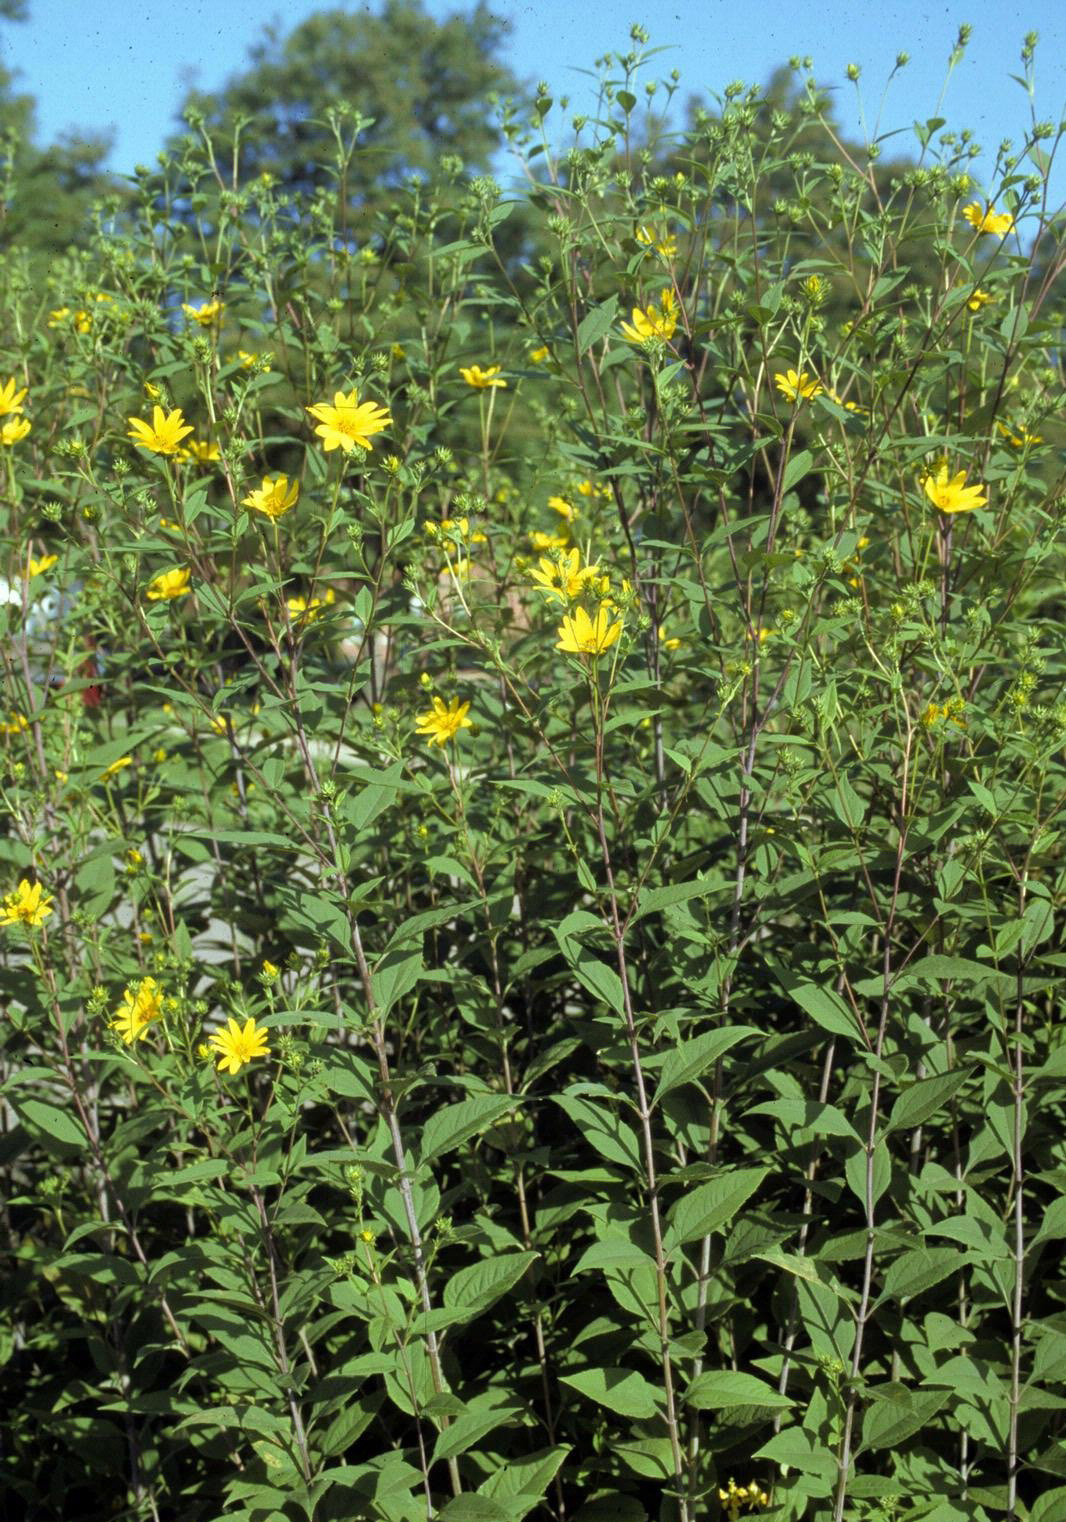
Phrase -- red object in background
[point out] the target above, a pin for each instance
(93, 696)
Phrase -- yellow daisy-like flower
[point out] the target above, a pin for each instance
(668, 642)
(38, 567)
(140, 1006)
(795, 387)
(653, 321)
(270, 970)
(169, 584)
(950, 494)
(581, 635)
(564, 577)
(348, 424)
(58, 316)
(664, 245)
(116, 766)
(443, 721)
(208, 315)
(274, 498)
(564, 508)
(237, 1046)
(544, 543)
(984, 219)
(301, 610)
(201, 450)
(11, 397)
(163, 435)
(15, 724)
(1019, 439)
(151, 391)
(978, 298)
(247, 358)
(483, 380)
(540, 356)
(15, 430)
(27, 905)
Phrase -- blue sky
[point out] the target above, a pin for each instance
(89, 68)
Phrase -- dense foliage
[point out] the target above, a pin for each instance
(532, 864)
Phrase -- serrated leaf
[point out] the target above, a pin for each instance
(448, 1128)
(709, 1206)
(717, 1388)
(622, 1391)
(689, 1060)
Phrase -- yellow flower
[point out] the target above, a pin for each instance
(270, 970)
(581, 635)
(564, 577)
(83, 322)
(1020, 439)
(116, 766)
(27, 905)
(247, 358)
(239, 1046)
(11, 397)
(134, 859)
(654, 321)
(442, 722)
(57, 316)
(665, 246)
(986, 220)
(169, 584)
(978, 298)
(170, 525)
(398, 352)
(15, 724)
(38, 567)
(761, 634)
(740, 1498)
(539, 356)
(668, 642)
(590, 489)
(564, 508)
(301, 611)
(11, 433)
(151, 392)
(202, 450)
(204, 1052)
(953, 711)
(952, 495)
(544, 542)
(163, 435)
(274, 497)
(140, 1006)
(483, 380)
(349, 423)
(795, 387)
(209, 315)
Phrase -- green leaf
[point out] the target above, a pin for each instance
(521, 1483)
(481, 1284)
(395, 975)
(603, 1130)
(709, 1206)
(448, 1128)
(825, 1007)
(621, 1390)
(718, 1388)
(916, 1271)
(474, 1508)
(473, 1425)
(923, 1098)
(799, 465)
(897, 1413)
(596, 323)
(44, 1120)
(689, 1060)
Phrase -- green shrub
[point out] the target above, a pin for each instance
(531, 963)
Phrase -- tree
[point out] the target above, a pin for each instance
(427, 87)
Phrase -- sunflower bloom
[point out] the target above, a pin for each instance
(988, 220)
(950, 494)
(208, 315)
(163, 435)
(274, 497)
(663, 244)
(797, 387)
(348, 423)
(169, 584)
(443, 721)
(11, 397)
(27, 905)
(140, 1006)
(742, 1498)
(539, 356)
(564, 577)
(306, 610)
(38, 567)
(237, 1046)
(201, 450)
(1021, 438)
(484, 380)
(14, 430)
(581, 635)
(14, 724)
(654, 321)
(978, 298)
